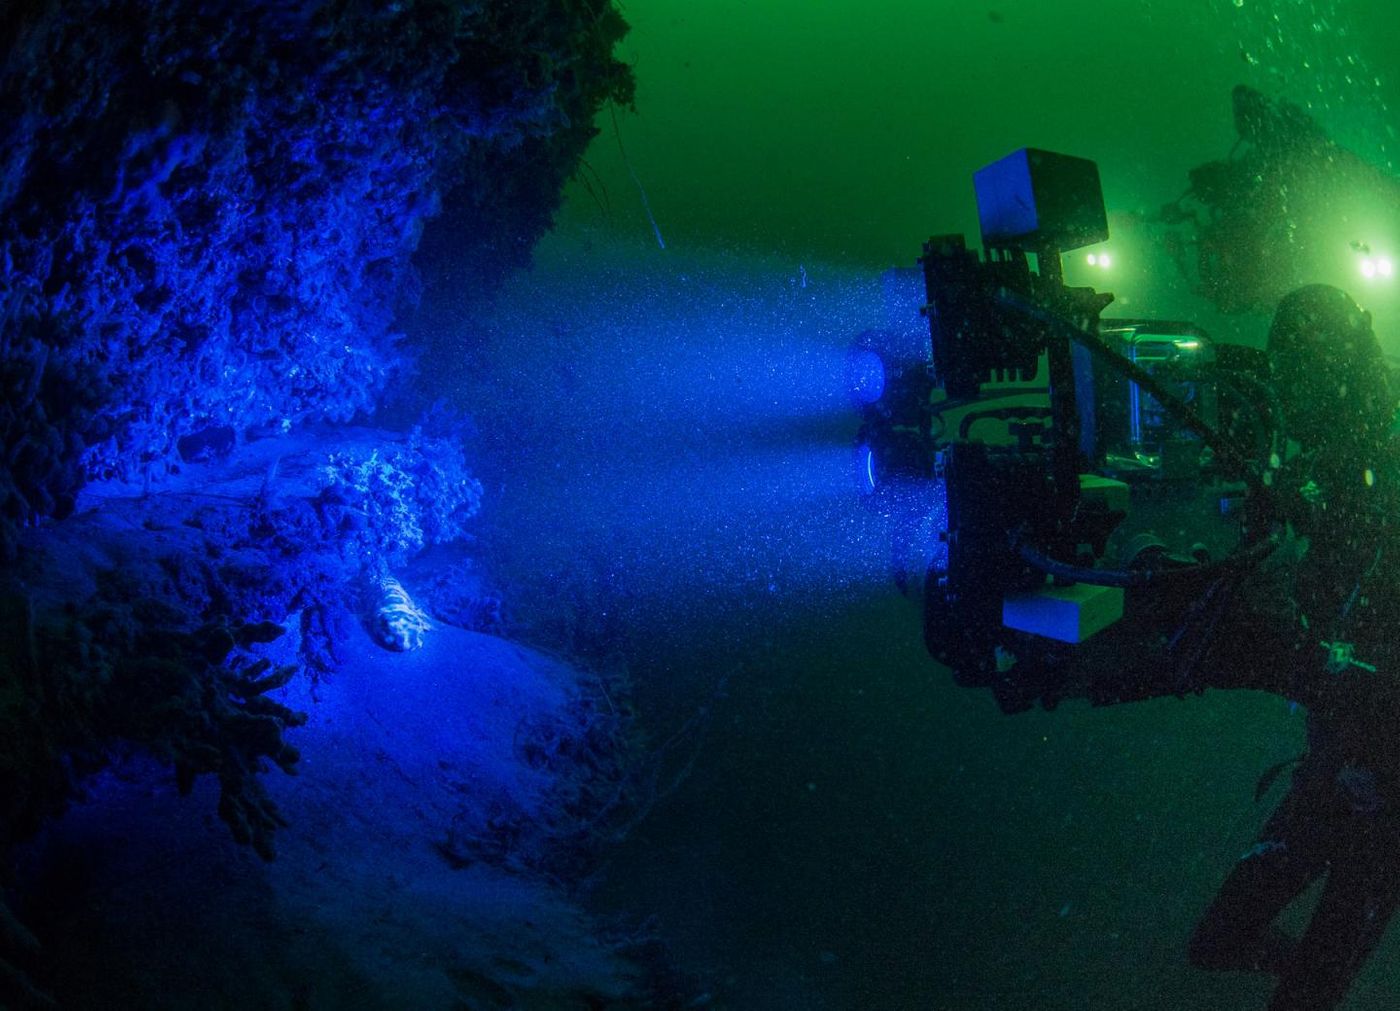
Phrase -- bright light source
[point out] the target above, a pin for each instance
(1368, 267)
(1093, 259)
(1104, 261)
(865, 375)
(865, 469)
(1384, 267)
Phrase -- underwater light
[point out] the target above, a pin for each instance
(865, 469)
(1373, 265)
(865, 375)
(1100, 260)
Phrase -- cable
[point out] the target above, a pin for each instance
(646, 204)
(1226, 453)
(1242, 558)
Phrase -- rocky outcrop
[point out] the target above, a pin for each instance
(208, 211)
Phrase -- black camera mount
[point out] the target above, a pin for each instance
(1038, 481)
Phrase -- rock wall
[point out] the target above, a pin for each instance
(210, 214)
(208, 211)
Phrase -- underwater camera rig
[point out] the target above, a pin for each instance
(1032, 514)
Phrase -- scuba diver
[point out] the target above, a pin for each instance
(1320, 624)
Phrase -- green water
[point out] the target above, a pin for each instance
(846, 131)
(855, 832)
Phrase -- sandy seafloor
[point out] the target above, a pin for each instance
(158, 908)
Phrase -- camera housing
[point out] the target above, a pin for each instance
(1051, 472)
